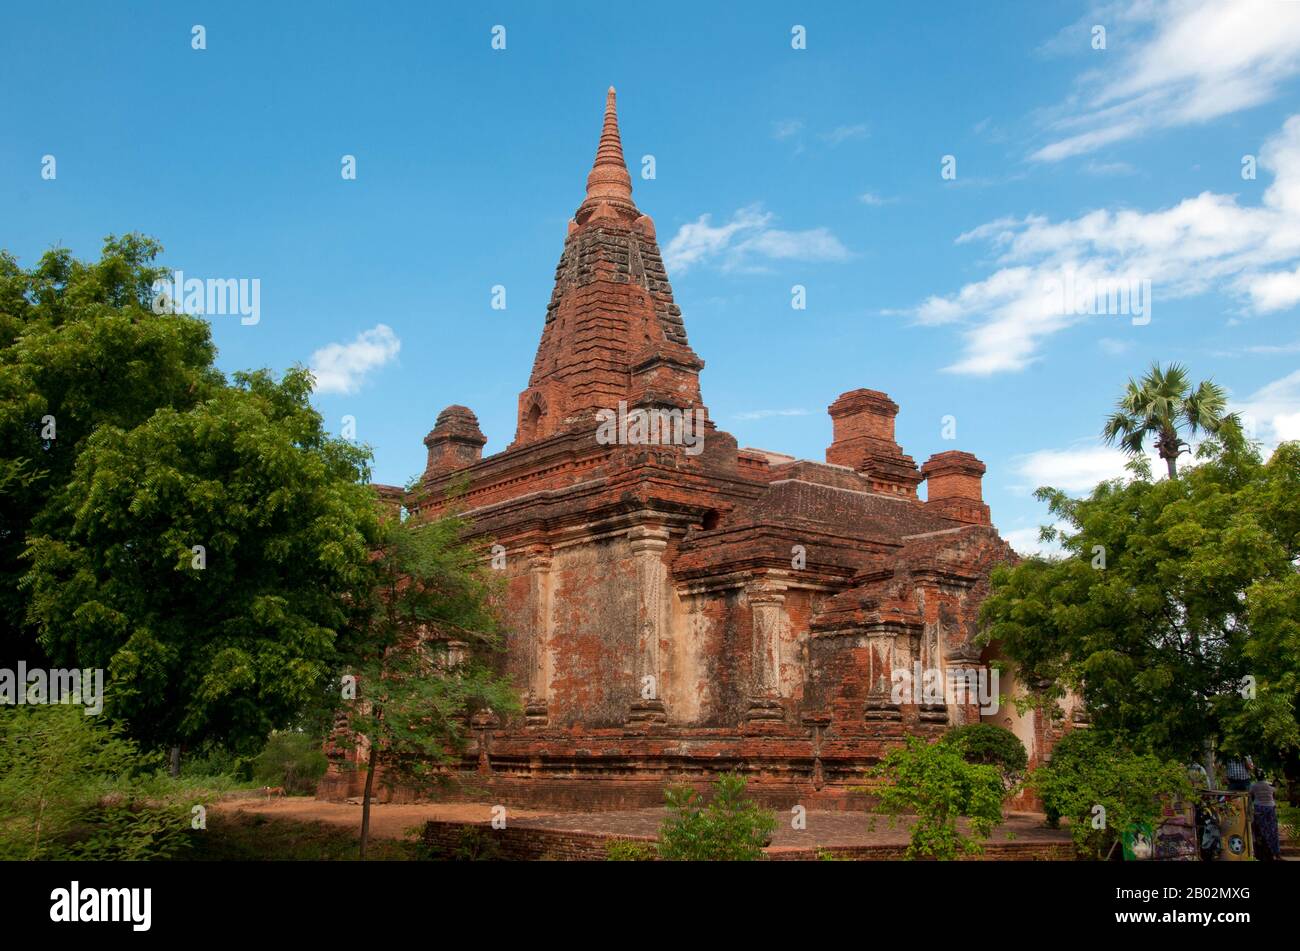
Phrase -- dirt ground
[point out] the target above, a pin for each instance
(387, 821)
(392, 821)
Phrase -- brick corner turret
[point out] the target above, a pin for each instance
(863, 439)
(455, 441)
(954, 487)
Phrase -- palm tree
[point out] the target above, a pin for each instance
(1161, 404)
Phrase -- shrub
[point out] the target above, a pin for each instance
(476, 844)
(1089, 770)
(936, 784)
(985, 744)
(292, 760)
(1288, 817)
(69, 789)
(730, 828)
(626, 850)
(216, 762)
(131, 831)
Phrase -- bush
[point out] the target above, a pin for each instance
(985, 744)
(730, 828)
(292, 760)
(936, 784)
(1089, 770)
(476, 844)
(626, 850)
(131, 831)
(1288, 817)
(69, 789)
(214, 762)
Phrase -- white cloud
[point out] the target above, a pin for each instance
(1026, 542)
(747, 236)
(1273, 411)
(1203, 243)
(1180, 62)
(1275, 291)
(767, 413)
(342, 367)
(1075, 469)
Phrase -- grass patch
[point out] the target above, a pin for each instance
(253, 837)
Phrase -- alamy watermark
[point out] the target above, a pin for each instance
(651, 427)
(209, 297)
(955, 686)
(1073, 295)
(37, 686)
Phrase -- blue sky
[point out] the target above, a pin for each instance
(775, 166)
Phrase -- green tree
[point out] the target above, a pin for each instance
(208, 559)
(79, 348)
(1174, 609)
(1104, 787)
(293, 760)
(423, 655)
(986, 744)
(729, 828)
(935, 783)
(1160, 405)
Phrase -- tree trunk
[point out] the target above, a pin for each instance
(365, 799)
(1167, 447)
(174, 765)
(1207, 751)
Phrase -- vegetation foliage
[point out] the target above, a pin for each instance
(728, 828)
(935, 783)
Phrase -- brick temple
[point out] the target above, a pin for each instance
(681, 606)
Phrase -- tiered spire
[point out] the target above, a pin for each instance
(613, 333)
(609, 184)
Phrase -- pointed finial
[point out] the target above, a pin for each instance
(609, 182)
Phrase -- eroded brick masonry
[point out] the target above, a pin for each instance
(683, 607)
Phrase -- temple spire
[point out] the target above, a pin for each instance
(609, 183)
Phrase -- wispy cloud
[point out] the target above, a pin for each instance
(745, 239)
(845, 133)
(874, 200)
(1182, 62)
(1207, 242)
(1109, 168)
(785, 128)
(343, 367)
(768, 413)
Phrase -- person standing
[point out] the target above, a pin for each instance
(1238, 773)
(1268, 848)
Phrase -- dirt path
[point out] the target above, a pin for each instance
(387, 821)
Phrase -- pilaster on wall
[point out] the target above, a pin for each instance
(539, 636)
(963, 673)
(648, 544)
(766, 596)
(880, 704)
